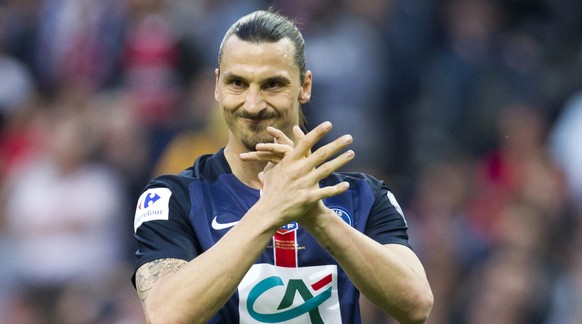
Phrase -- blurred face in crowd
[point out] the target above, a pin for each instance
(258, 85)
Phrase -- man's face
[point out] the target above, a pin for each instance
(258, 86)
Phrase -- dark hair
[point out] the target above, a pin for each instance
(268, 26)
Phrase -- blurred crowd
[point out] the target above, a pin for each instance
(470, 110)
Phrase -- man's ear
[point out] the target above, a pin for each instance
(217, 76)
(305, 91)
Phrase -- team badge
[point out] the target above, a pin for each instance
(343, 214)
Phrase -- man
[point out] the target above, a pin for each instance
(264, 230)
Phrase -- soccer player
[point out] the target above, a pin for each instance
(265, 230)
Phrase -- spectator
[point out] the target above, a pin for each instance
(62, 210)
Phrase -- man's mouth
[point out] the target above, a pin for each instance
(257, 121)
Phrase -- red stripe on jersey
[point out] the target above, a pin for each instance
(285, 249)
(324, 281)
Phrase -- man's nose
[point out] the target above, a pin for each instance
(254, 101)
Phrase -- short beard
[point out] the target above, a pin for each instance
(259, 136)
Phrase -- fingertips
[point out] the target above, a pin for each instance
(307, 141)
(326, 125)
(275, 132)
(279, 136)
(343, 186)
(339, 144)
(344, 159)
(347, 139)
(320, 131)
(335, 190)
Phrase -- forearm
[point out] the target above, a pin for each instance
(195, 292)
(390, 276)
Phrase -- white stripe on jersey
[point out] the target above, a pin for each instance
(394, 202)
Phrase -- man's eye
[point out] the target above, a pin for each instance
(236, 83)
(273, 84)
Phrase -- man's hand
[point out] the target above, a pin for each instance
(390, 275)
(294, 171)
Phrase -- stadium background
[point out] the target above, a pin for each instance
(471, 110)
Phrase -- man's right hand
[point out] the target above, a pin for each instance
(290, 180)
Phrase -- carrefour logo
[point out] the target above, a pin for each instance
(271, 294)
(294, 286)
(148, 200)
(153, 204)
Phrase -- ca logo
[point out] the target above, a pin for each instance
(294, 286)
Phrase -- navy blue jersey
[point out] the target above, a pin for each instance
(295, 279)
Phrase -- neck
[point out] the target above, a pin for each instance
(246, 171)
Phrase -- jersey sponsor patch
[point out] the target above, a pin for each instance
(271, 294)
(153, 204)
(285, 246)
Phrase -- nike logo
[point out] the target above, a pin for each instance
(220, 226)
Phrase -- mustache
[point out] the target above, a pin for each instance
(261, 115)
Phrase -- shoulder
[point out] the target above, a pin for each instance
(357, 178)
(381, 193)
(170, 190)
(166, 187)
(360, 176)
(206, 168)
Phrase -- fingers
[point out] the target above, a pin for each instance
(327, 168)
(269, 152)
(325, 152)
(265, 156)
(303, 144)
(283, 147)
(316, 165)
(279, 136)
(275, 148)
(335, 190)
(299, 135)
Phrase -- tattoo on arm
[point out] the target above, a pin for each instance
(147, 275)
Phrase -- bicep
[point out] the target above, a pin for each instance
(148, 274)
(408, 257)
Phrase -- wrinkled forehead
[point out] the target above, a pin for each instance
(280, 53)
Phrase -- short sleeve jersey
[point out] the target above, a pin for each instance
(294, 280)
